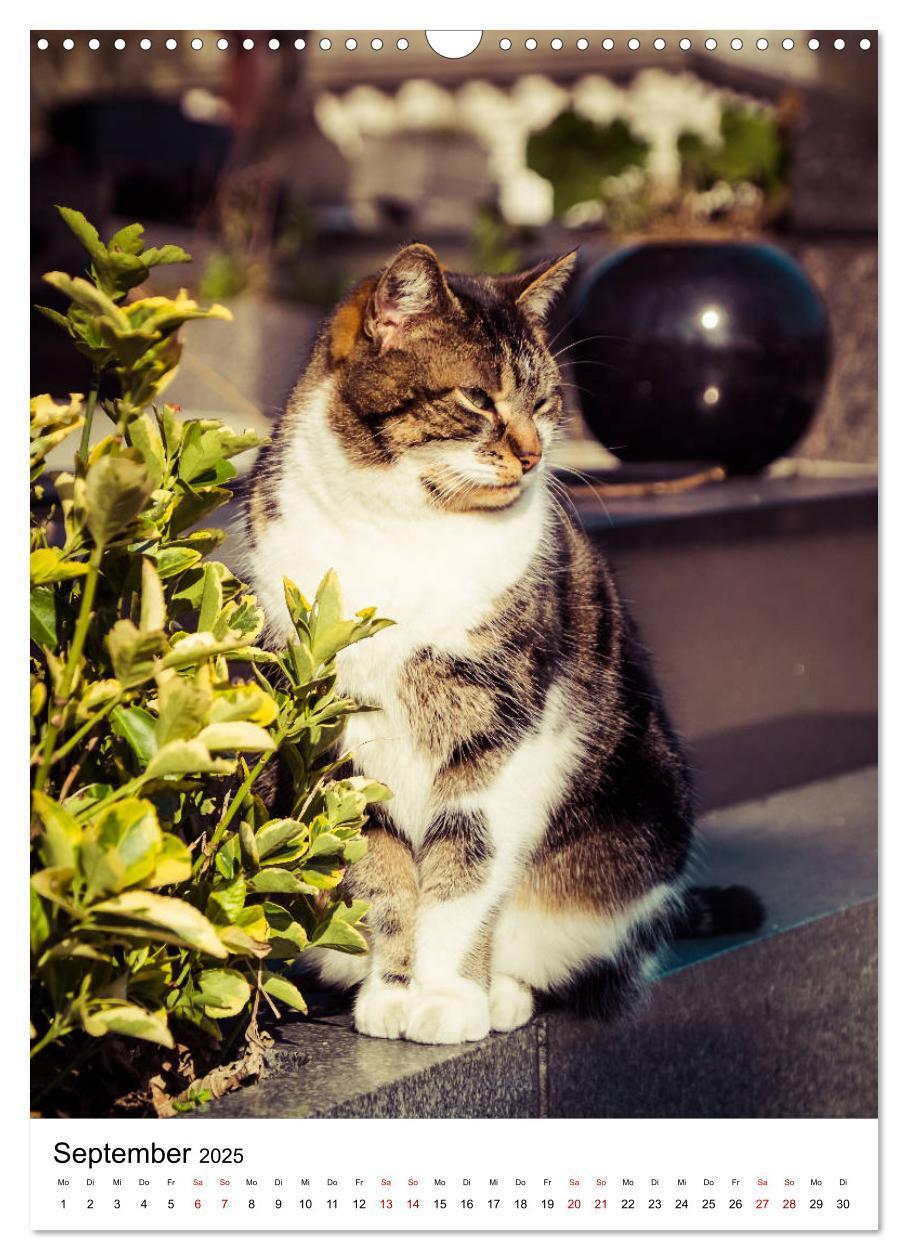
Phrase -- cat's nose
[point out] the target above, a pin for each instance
(525, 443)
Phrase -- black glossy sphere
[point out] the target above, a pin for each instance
(714, 352)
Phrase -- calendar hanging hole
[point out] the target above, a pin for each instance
(450, 44)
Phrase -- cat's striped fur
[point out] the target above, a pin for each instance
(537, 838)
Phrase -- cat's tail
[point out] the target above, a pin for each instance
(716, 911)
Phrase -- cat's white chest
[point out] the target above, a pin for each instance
(436, 575)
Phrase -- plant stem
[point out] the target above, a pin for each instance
(54, 1031)
(92, 399)
(242, 793)
(73, 660)
(125, 789)
(83, 730)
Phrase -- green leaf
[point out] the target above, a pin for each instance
(43, 617)
(196, 503)
(83, 231)
(39, 923)
(92, 299)
(283, 990)
(286, 936)
(227, 859)
(223, 992)
(182, 756)
(128, 1021)
(237, 941)
(326, 844)
(253, 922)
(370, 789)
(174, 864)
(174, 560)
(278, 834)
(207, 447)
(238, 736)
(242, 617)
(298, 606)
(193, 648)
(165, 254)
(277, 880)
(323, 875)
(182, 706)
(120, 847)
(54, 884)
(225, 903)
(246, 700)
(163, 918)
(247, 840)
(145, 435)
(154, 604)
(134, 652)
(128, 240)
(212, 597)
(355, 850)
(96, 695)
(47, 566)
(116, 489)
(61, 834)
(137, 727)
(340, 935)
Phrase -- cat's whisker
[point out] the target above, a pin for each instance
(582, 341)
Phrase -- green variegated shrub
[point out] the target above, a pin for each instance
(163, 894)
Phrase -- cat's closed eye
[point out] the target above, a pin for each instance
(478, 398)
(541, 403)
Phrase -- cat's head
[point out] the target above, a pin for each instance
(448, 378)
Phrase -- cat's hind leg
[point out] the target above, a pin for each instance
(597, 961)
(386, 879)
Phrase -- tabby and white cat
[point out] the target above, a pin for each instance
(540, 824)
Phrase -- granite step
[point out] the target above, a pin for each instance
(779, 1023)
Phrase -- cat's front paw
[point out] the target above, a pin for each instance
(446, 1017)
(510, 1003)
(381, 1010)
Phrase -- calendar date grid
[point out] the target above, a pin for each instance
(242, 1194)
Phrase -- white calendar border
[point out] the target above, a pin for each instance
(772, 14)
(552, 1175)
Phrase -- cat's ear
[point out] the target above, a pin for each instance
(537, 290)
(411, 287)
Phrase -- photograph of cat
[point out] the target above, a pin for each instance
(538, 840)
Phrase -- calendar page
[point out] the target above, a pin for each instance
(453, 619)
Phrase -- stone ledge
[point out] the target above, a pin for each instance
(780, 1024)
